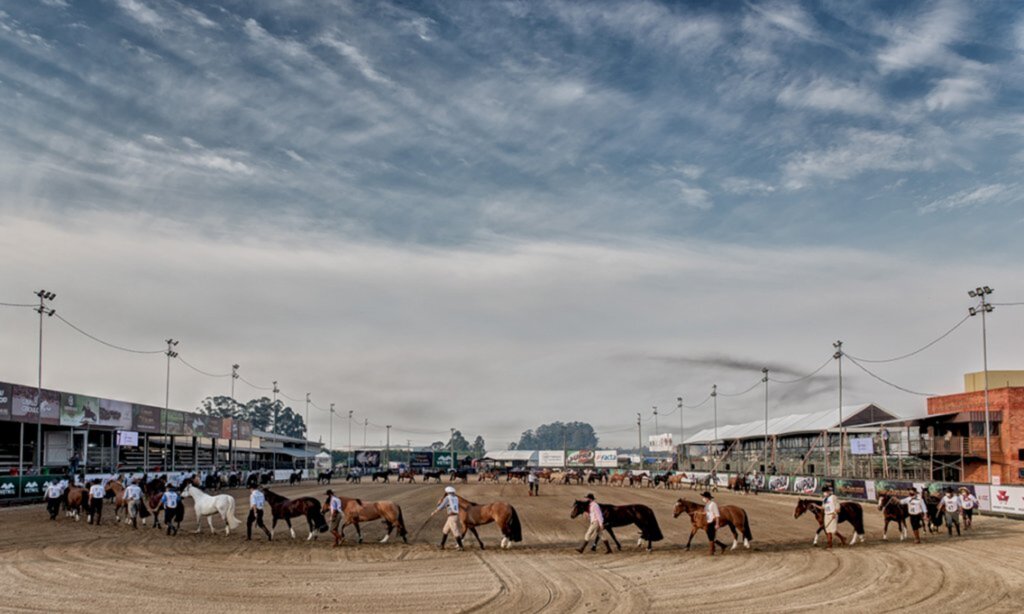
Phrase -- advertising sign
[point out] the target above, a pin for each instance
(421, 460)
(862, 446)
(9, 487)
(128, 438)
(807, 485)
(367, 458)
(852, 489)
(226, 428)
(1008, 499)
(606, 458)
(79, 411)
(242, 429)
(173, 421)
(778, 483)
(443, 460)
(146, 419)
(660, 443)
(551, 458)
(23, 405)
(896, 488)
(5, 401)
(212, 427)
(115, 414)
(580, 458)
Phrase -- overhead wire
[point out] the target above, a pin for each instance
(917, 351)
(200, 371)
(739, 394)
(107, 343)
(800, 379)
(17, 305)
(252, 385)
(887, 382)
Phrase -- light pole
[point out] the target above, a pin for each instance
(639, 441)
(765, 380)
(657, 431)
(679, 408)
(234, 376)
(277, 412)
(838, 345)
(350, 437)
(714, 401)
(366, 422)
(451, 445)
(308, 434)
(170, 354)
(983, 308)
(331, 438)
(44, 295)
(387, 449)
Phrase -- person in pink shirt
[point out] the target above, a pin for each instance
(596, 529)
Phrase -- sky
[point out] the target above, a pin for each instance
(493, 215)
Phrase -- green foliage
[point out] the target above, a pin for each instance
(558, 435)
(264, 414)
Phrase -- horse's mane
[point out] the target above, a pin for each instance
(273, 496)
(466, 501)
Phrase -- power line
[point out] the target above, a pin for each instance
(245, 381)
(17, 305)
(293, 400)
(739, 394)
(107, 343)
(701, 404)
(919, 350)
(885, 381)
(808, 376)
(200, 371)
(1006, 304)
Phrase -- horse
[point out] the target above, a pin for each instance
(675, 481)
(384, 475)
(74, 499)
(622, 515)
(432, 475)
(893, 511)
(487, 476)
(729, 516)
(208, 505)
(213, 481)
(324, 476)
(473, 515)
(618, 478)
(282, 508)
(115, 488)
(849, 511)
(460, 475)
(406, 475)
(295, 477)
(355, 477)
(661, 480)
(357, 511)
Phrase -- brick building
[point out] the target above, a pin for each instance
(958, 425)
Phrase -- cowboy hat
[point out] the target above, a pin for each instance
(450, 490)
(706, 495)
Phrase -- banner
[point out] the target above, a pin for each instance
(212, 427)
(146, 419)
(807, 485)
(241, 429)
(1008, 499)
(195, 425)
(79, 411)
(551, 458)
(778, 483)
(606, 458)
(23, 405)
(862, 446)
(226, 428)
(852, 489)
(128, 439)
(580, 458)
(5, 401)
(115, 414)
(173, 422)
(10, 488)
(896, 488)
(421, 460)
(367, 458)
(660, 443)
(443, 460)
(938, 489)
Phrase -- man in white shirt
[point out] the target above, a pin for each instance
(915, 511)
(450, 504)
(53, 493)
(950, 504)
(96, 495)
(256, 502)
(968, 503)
(531, 479)
(712, 517)
(830, 507)
(335, 516)
(133, 499)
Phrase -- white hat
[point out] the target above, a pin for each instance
(450, 490)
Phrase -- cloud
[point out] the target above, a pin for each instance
(957, 92)
(142, 13)
(862, 151)
(924, 40)
(825, 95)
(693, 196)
(974, 197)
(356, 57)
(746, 185)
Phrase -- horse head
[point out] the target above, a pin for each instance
(579, 507)
(682, 506)
(802, 505)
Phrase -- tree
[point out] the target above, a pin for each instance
(264, 415)
(457, 442)
(512, 445)
(437, 445)
(558, 435)
(478, 448)
(221, 406)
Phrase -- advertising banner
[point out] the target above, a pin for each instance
(10, 488)
(807, 485)
(23, 405)
(173, 421)
(79, 411)
(443, 460)
(851, 489)
(895, 488)
(1008, 499)
(551, 458)
(128, 439)
(146, 419)
(212, 427)
(195, 425)
(421, 460)
(938, 489)
(367, 458)
(242, 429)
(862, 446)
(5, 401)
(606, 458)
(580, 458)
(115, 414)
(226, 428)
(660, 443)
(32, 486)
(778, 483)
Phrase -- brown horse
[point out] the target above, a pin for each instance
(357, 511)
(406, 475)
(115, 488)
(849, 511)
(622, 515)
(675, 481)
(729, 516)
(893, 511)
(473, 515)
(75, 499)
(283, 508)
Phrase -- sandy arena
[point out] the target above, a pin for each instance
(113, 568)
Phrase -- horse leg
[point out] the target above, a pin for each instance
(735, 536)
(199, 522)
(693, 531)
(291, 530)
(614, 539)
(387, 535)
(477, 536)
(885, 531)
(818, 533)
(209, 519)
(359, 533)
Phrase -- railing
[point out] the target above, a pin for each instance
(973, 447)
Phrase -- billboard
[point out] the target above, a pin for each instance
(862, 446)
(115, 414)
(807, 485)
(146, 419)
(5, 401)
(128, 438)
(367, 458)
(443, 460)
(896, 488)
(421, 460)
(23, 405)
(211, 428)
(173, 422)
(579, 458)
(551, 458)
(78, 410)
(226, 428)
(1008, 499)
(606, 458)
(778, 483)
(660, 443)
(241, 429)
(854, 489)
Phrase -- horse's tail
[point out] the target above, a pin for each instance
(514, 530)
(401, 522)
(233, 522)
(317, 517)
(650, 531)
(858, 519)
(746, 527)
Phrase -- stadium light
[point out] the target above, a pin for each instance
(984, 307)
(679, 455)
(842, 428)
(171, 343)
(765, 380)
(44, 295)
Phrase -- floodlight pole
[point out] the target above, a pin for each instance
(842, 428)
(679, 456)
(331, 437)
(170, 354)
(714, 400)
(308, 434)
(985, 307)
(639, 441)
(765, 380)
(44, 295)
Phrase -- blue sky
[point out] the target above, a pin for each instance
(542, 205)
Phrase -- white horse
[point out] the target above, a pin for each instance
(207, 505)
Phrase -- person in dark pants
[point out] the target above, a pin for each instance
(712, 517)
(256, 502)
(96, 495)
(534, 483)
(54, 493)
(170, 502)
(74, 462)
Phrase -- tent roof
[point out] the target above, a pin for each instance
(853, 415)
(511, 455)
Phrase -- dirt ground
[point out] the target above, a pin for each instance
(79, 568)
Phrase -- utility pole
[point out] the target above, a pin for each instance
(657, 431)
(331, 438)
(451, 444)
(234, 376)
(639, 441)
(765, 380)
(44, 295)
(387, 448)
(983, 308)
(714, 401)
(170, 354)
(308, 433)
(350, 437)
(842, 429)
(277, 412)
(366, 422)
(679, 455)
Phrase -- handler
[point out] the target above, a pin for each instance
(256, 502)
(915, 511)
(596, 529)
(450, 503)
(133, 497)
(713, 517)
(169, 502)
(968, 503)
(830, 505)
(950, 504)
(96, 495)
(336, 516)
(531, 479)
(53, 494)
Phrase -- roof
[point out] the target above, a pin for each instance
(276, 437)
(853, 415)
(511, 455)
(292, 452)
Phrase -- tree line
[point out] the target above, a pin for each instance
(264, 414)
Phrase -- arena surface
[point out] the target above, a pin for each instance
(77, 568)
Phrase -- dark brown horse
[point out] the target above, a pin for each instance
(357, 511)
(849, 511)
(622, 515)
(283, 508)
(893, 511)
(729, 516)
(473, 515)
(75, 499)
